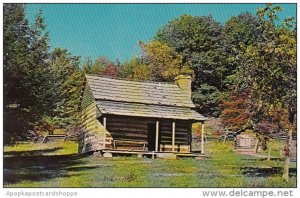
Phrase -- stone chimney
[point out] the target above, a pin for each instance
(184, 82)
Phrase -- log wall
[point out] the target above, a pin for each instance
(92, 135)
(182, 136)
(92, 132)
(87, 97)
(130, 133)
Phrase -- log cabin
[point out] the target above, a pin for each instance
(123, 115)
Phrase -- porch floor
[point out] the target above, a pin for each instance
(152, 154)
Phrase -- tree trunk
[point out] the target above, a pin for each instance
(269, 152)
(256, 146)
(225, 139)
(288, 146)
(288, 154)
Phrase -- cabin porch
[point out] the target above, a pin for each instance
(147, 136)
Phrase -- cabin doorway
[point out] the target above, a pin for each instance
(151, 136)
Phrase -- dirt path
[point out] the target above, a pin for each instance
(260, 156)
(257, 155)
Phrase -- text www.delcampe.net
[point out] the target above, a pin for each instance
(247, 193)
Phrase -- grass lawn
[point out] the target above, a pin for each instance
(57, 165)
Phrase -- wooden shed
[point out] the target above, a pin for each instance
(122, 115)
(246, 142)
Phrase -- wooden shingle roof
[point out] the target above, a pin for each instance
(141, 99)
(139, 92)
(150, 111)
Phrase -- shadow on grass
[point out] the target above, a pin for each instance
(263, 159)
(32, 152)
(40, 168)
(266, 171)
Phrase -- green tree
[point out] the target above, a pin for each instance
(200, 41)
(165, 64)
(67, 80)
(25, 71)
(37, 73)
(135, 69)
(158, 62)
(15, 94)
(97, 67)
(269, 69)
(208, 99)
(239, 32)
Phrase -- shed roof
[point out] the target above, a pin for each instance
(152, 111)
(138, 92)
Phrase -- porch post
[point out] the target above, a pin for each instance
(104, 135)
(156, 136)
(202, 137)
(104, 122)
(173, 136)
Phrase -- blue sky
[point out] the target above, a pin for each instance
(113, 30)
